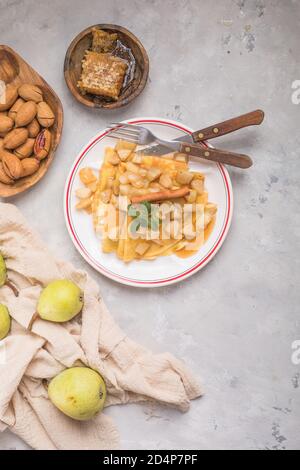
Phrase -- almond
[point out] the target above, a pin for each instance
(42, 144)
(29, 166)
(33, 128)
(15, 138)
(26, 114)
(11, 94)
(15, 108)
(12, 166)
(6, 124)
(45, 115)
(25, 150)
(1, 146)
(30, 93)
(4, 152)
(4, 178)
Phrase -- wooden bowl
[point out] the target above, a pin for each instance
(13, 69)
(76, 52)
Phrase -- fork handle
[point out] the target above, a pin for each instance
(226, 127)
(215, 155)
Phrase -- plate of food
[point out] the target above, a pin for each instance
(146, 220)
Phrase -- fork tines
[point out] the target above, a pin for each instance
(124, 131)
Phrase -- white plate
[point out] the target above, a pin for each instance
(165, 270)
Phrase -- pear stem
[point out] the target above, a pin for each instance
(9, 284)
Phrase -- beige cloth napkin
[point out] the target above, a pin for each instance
(29, 359)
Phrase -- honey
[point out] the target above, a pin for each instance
(108, 68)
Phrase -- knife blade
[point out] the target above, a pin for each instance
(160, 149)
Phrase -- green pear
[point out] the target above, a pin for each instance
(4, 321)
(60, 301)
(79, 392)
(2, 271)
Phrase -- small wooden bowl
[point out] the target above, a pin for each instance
(76, 52)
(13, 69)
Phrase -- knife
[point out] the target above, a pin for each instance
(254, 118)
(209, 153)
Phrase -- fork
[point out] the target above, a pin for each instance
(142, 136)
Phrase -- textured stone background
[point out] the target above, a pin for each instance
(234, 322)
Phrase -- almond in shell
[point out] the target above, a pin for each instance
(15, 138)
(25, 150)
(4, 152)
(30, 166)
(42, 144)
(30, 93)
(10, 96)
(12, 166)
(45, 115)
(26, 114)
(4, 178)
(15, 108)
(6, 124)
(33, 128)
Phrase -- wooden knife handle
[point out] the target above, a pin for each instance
(215, 155)
(250, 119)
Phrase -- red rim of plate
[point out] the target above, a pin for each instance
(146, 283)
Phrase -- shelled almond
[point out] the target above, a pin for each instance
(25, 137)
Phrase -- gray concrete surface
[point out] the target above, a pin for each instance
(235, 321)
